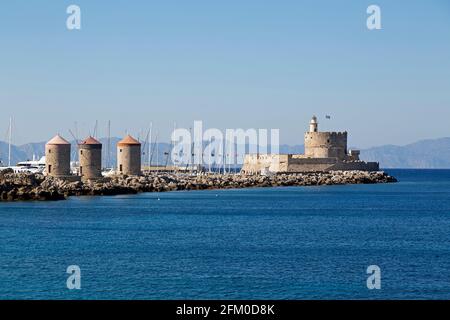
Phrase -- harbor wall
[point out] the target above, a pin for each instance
(289, 163)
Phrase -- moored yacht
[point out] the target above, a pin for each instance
(31, 166)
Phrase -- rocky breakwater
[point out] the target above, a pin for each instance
(24, 186)
(36, 187)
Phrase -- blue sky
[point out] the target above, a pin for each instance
(232, 64)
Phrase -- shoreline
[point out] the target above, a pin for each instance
(36, 187)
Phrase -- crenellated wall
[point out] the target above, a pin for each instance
(288, 163)
(326, 145)
(254, 163)
(324, 151)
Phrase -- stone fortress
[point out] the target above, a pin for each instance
(325, 162)
(324, 151)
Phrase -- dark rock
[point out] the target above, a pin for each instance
(23, 186)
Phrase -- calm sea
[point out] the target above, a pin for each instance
(271, 243)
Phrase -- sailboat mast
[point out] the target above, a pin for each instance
(9, 141)
(192, 150)
(149, 147)
(172, 146)
(153, 148)
(95, 129)
(109, 145)
(157, 149)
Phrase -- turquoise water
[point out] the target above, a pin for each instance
(271, 243)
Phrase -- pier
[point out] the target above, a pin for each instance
(28, 186)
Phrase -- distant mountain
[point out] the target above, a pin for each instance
(425, 154)
(287, 149)
(431, 154)
(17, 154)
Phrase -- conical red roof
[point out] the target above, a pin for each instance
(58, 140)
(90, 140)
(128, 140)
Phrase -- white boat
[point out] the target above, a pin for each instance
(109, 172)
(31, 166)
(75, 168)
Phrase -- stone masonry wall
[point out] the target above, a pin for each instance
(326, 144)
(58, 157)
(129, 158)
(90, 157)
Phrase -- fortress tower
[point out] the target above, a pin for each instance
(313, 125)
(90, 156)
(324, 152)
(325, 144)
(129, 156)
(57, 157)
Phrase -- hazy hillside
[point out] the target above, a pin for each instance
(284, 148)
(430, 154)
(423, 154)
